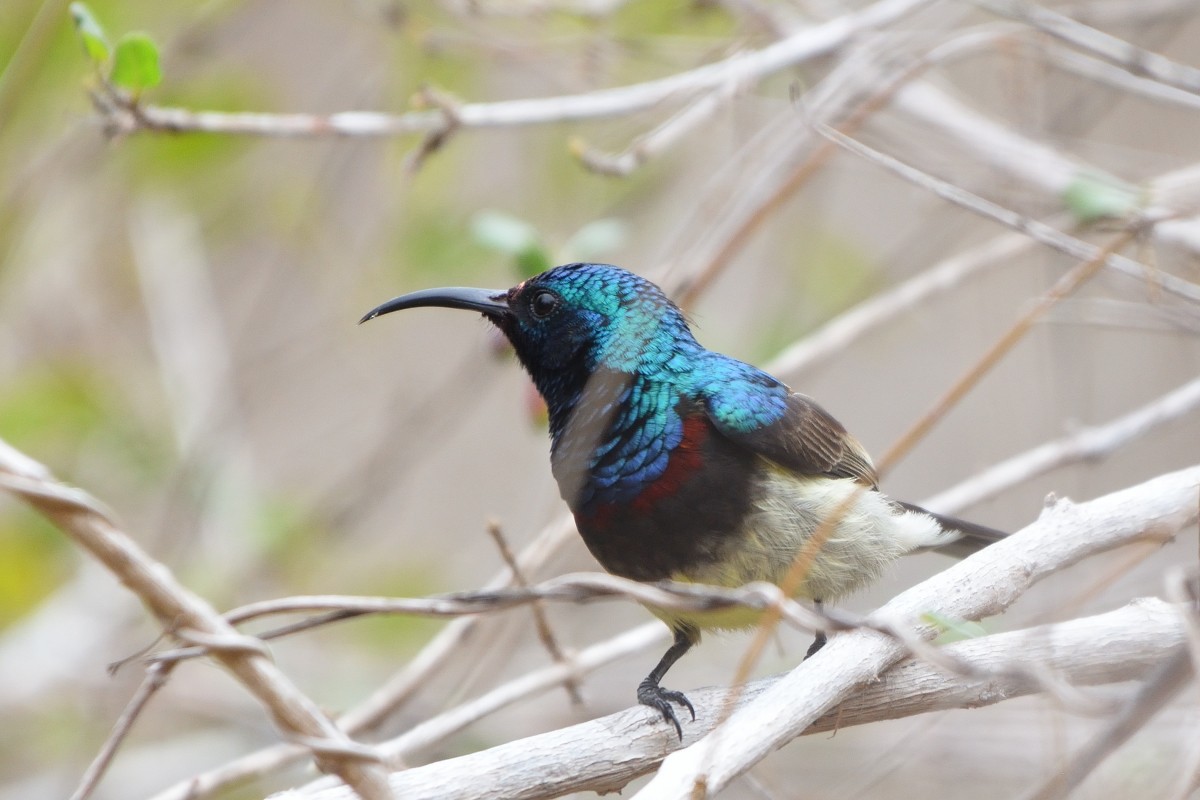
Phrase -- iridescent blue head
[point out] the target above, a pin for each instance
(576, 318)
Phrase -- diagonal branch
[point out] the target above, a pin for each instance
(1126, 644)
(186, 614)
(1134, 60)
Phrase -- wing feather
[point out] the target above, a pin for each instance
(790, 429)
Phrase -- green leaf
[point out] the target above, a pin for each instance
(1095, 196)
(95, 43)
(504, 233)
(596, 239)
(135, 63)
(953, 630)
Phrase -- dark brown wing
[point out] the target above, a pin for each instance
(808, 440)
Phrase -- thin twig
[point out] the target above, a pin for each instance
(656, 141)
(1085, 444)
(894, 77)
(294, 714)
(537, 608)
(437, 138)
(1135, 60)
(1064, 287)
(740, 69)
(388, 698)
(1163, 684)
(155, 679)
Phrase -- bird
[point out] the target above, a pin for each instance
(680, 463)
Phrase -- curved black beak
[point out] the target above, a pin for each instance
(491, 303)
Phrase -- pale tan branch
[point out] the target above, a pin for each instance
(1092, 442)
(388, 698)
(177, 608)
(605, 754)
(737, 70)
(1135, 60)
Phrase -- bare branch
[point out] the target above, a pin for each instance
(607, 753)
(1166, 681)
(738, 70)
(177, 608)
(155, 679)
(1104, 72)
(1087, 443)
(540, 623)
(1129, 57)
(389, 697)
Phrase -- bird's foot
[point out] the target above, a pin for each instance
(817, 644)
(651, 694)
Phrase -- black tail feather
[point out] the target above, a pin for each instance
(975, 537)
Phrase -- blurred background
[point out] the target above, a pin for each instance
(178, 337)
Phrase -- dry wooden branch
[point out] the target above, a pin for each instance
(186, 615)
(605, 754)
(1092, 442)
(738, 70)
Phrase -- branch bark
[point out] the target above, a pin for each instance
(740, 69)
(188, 616)
(607, 753)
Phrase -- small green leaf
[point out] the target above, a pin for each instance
(504, 233)
(135, 63)
(596, 239)
(953, 630)
(95, 43)
(1095, 196)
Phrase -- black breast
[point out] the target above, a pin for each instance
(680, 519)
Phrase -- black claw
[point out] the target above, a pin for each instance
(817, 644)
(660, 699)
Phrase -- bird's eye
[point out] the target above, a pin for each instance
(543, 304)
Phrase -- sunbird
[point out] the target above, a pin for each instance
(680, 463)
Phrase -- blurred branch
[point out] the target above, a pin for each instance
(1135, 60)
(862, 84)
(658, 140)
(1166, 681)
(155, 679)
(1041, 232)
(185, 614)
(1103, 72)
(1085, 444)
(1121, 645)
(885, 306)
(122, 117)
(540, 623)
(1041, 171)
(1037, 167)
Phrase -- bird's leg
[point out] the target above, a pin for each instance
(818, 642)
(649, 693)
